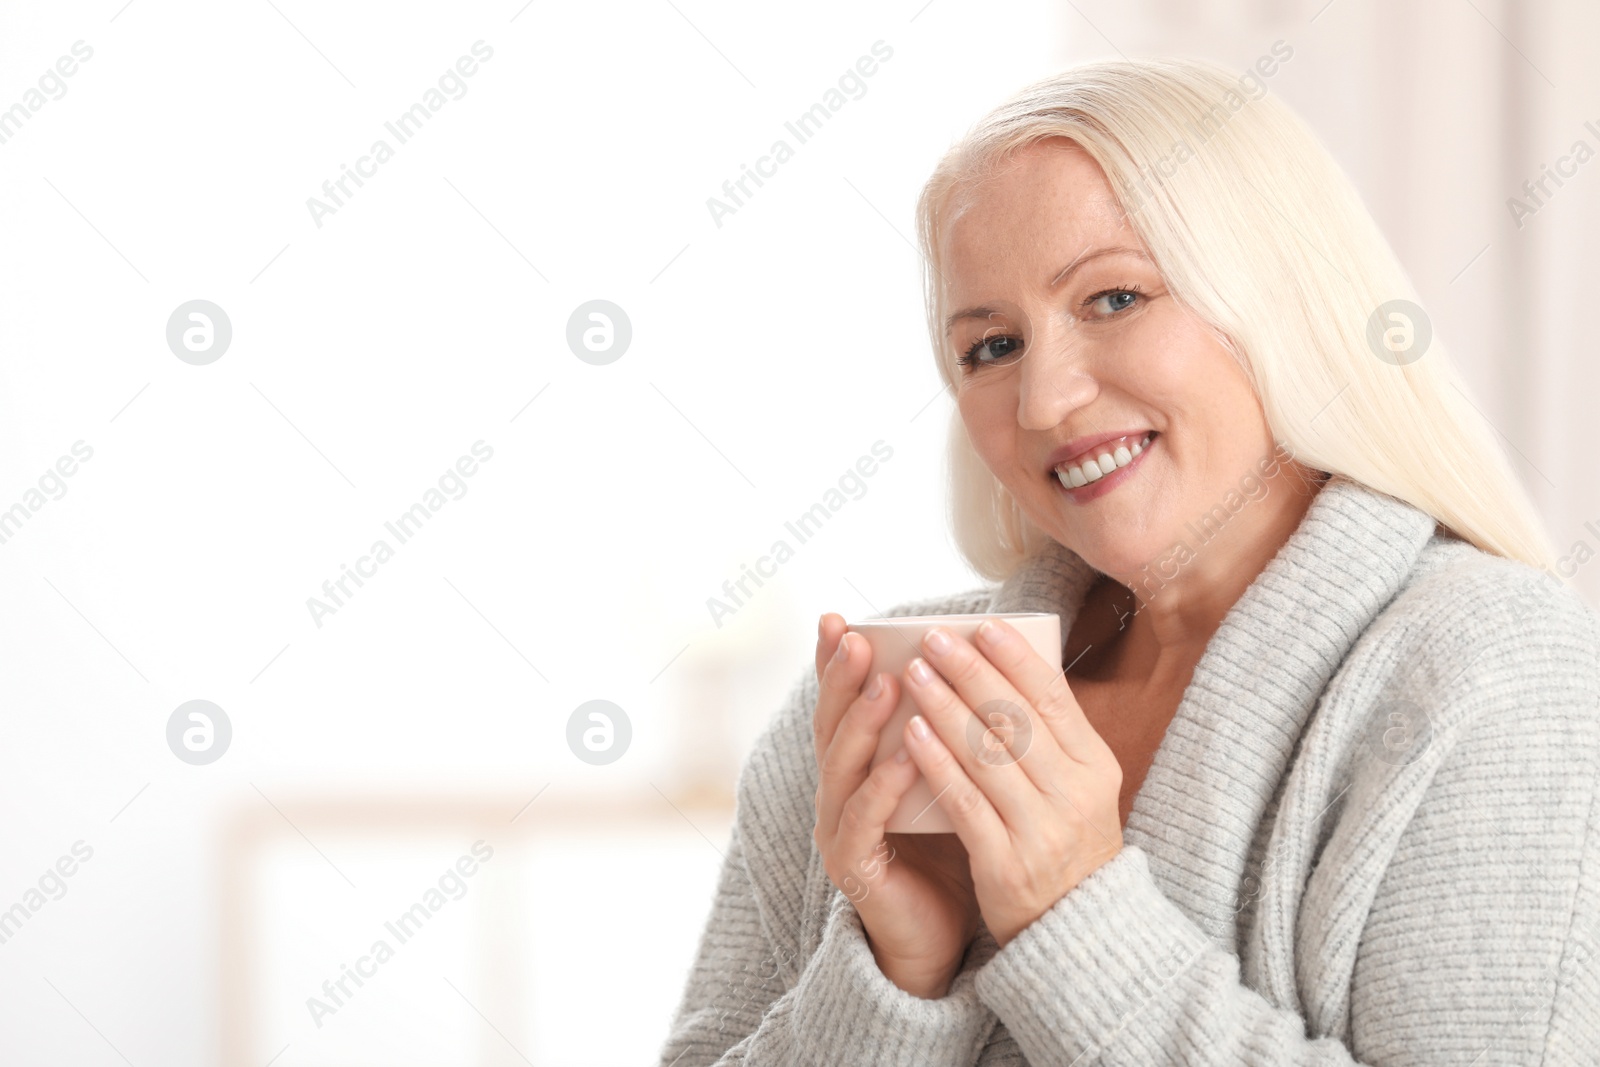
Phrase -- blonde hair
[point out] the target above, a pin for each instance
(1257, 230)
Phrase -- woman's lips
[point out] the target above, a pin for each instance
(1093, 479)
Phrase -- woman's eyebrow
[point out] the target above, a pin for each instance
(1096, 254)
(983, 311)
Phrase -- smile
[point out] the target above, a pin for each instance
(1099, 471)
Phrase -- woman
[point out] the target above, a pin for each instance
(1314, 779)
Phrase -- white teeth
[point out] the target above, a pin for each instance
(1097, 467)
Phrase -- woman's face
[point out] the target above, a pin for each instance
(1076, 345)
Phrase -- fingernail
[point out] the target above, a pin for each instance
(938, 640)
(820, 619)
(921, 673)
(843, 651)
(874, 688)
(919, 727)
(990, 632)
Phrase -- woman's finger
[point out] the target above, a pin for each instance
(827, 640)
(993, 763)
(1003, 733)
(866, 812)
(975, 819)
(848, 758)
(1043, 686)
(838, 683)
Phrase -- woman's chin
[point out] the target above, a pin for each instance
(1125, 563)
(1119, 546)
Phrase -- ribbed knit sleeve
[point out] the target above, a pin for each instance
(841, 1011)
(751, 999)
(848, 1012)
(1479, 941)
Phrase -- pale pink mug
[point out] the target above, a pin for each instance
(998, 732)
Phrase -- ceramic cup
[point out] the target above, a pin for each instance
(999, 732)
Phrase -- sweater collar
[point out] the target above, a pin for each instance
(1219, 766)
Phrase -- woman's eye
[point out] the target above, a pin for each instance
(1113, 300)
(1105, 304)
(992, 344)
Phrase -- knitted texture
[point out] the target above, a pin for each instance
(1367, 837)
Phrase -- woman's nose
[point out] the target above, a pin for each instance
(1055, 382)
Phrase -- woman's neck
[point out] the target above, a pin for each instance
(1157, 635)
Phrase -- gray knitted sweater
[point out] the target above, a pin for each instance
(1368, 836)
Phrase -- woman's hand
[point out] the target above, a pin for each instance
(1029, 785)
(913, 892)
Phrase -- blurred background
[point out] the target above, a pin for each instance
(396, 829)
